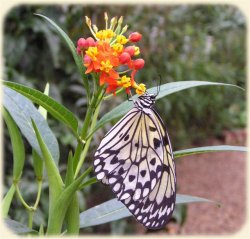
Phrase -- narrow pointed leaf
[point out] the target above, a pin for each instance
(113, 210)
(22, 110)
(208, 149)
(37, 160)
(165, 89)
(57, 110)
(54, 178)
(17, 145)
(72, 48)
(62, 203)
(7, 200)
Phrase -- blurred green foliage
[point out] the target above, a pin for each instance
(182, 42)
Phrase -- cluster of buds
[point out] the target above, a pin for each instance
(106, 52)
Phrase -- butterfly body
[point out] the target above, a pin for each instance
(135, 159)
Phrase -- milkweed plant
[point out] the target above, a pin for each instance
(108, 61)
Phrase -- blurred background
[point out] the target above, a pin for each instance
(180, 43)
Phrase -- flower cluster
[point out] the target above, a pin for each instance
(107, 55)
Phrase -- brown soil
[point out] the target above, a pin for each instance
(218, 176)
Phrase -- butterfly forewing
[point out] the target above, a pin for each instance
(135, 158)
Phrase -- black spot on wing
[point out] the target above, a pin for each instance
(121, 171)
(126, 137)
(131, 178)
(153, 129)
(166, 168)
(114, 160)
(153, 161)
(157, 143)
(143, 173)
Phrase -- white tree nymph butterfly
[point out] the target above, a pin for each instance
(135, 159)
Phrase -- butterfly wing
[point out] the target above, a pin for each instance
(155, 210)
(127, 159)
(135, 158)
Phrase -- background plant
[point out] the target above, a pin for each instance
(185, 31)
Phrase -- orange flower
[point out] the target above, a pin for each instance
(107, 53)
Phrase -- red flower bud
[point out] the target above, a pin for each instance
(138, 64)
(130, 50)
(124, 58)
(81, 43)
(90, 41)
(135, 37)
(86, 60)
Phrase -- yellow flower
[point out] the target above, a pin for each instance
(105, 34)
(118, 47)
(125, 82)
(137, 50)
(139, 89)
(92, 52)
(106, 66)
(121, 39)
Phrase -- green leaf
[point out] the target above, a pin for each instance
(72, 216)
(37, 160)
(53, 107)
(165, 90)
(42, 110)
(208, 149)
(17, 227)
(88, 182)
(180, 213)
(72, 48)
(17, 145)
(54, 178)
(37, 164)
(41, 230)
(113, 210)
(69, 173)
(183, 199)
(22, 110)
(62, 203)
(7, 200)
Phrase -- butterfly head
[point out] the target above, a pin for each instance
(145, 101)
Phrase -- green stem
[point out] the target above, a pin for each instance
(110, 95)
(87, 121)
(39, 191)
(22, 199)
(30, 222)
(86, 148)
